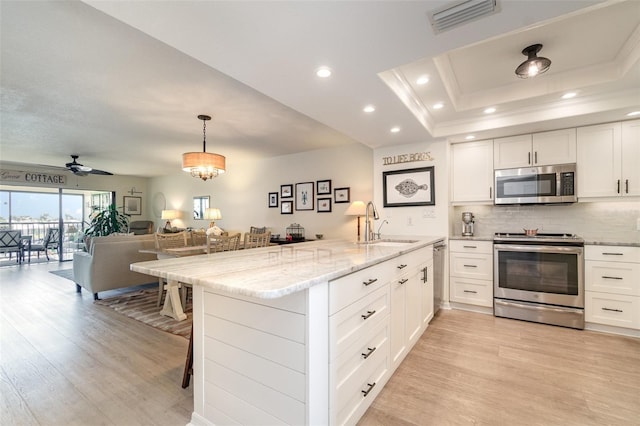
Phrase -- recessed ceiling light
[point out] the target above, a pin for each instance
(490, 110)
(395, 129)
(423, 79)
(439, 105)
(470, 137)
(323, 72)
(633, 113)
(369, 108)
(569, 95)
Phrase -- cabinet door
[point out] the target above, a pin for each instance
(511, 152)
(414, 307)
(472, 172)
(599, 169)
(557, 147)
(398, 328)
(631, 158)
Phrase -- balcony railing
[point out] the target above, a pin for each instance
(71, 237)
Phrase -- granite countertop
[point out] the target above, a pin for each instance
(612, 243)
(277, 271)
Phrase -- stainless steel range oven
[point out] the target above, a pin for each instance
(539, 278)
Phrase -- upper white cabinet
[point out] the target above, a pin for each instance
(608, 159)
(539, 149)
(472, 172)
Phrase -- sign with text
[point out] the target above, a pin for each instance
(33, 178)
(407, 158)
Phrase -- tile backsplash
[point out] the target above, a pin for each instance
(594, 221)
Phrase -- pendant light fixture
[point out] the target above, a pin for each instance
(534, 65)
(203, 165)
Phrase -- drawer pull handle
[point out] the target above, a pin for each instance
(371, 281)
(371, 386)
(470, 266)
(612, 310)
(368, 354)
(611, 278)
(403, 281)
(369, 313)
(473, 247)
(471, 291)
(402, 266)
(612, 254)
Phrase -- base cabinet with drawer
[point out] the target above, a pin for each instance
(612, 286)
(471, 272)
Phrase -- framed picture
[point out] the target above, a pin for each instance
(286, 207)
(324, 205)
(273, 199)
(410, 187)
(286, 191)
(304, 196)
(132, 205)
(323, 187)
(341, 195)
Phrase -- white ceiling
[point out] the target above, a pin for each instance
(121, 82)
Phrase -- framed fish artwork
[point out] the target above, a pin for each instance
(409, 187)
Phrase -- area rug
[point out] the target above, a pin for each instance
(141, 305)
(64, 273)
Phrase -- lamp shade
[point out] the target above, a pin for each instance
(357, 208)
(169, 214)
(213, 214)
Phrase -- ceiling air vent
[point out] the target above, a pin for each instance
(459, 13)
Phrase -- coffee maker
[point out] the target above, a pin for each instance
(467, 224)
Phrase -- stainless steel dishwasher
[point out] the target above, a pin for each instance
(439, 251)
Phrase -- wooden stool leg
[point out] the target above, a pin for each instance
(188, 365)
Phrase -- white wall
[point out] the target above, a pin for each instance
(242, 192)
(423, 220)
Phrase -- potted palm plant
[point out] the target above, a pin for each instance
(107, 222)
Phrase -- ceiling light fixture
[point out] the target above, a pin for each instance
(534, 65)
(422, 80)
(395, 129)
(203, 165)
(439, 105)
(490, 110)
(470, 137)
(369, 108)
(633, 113)
(569, 95)
(323, 72)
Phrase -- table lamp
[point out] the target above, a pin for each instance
(357, 208)
(213, 215)
(169, 215)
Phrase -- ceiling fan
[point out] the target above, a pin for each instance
(82, 170)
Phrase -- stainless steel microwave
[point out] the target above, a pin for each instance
(536, 185)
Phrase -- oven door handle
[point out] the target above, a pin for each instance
(546, 248)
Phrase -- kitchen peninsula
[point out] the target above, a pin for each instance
(301, 334)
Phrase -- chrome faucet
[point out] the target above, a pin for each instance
(368, 232)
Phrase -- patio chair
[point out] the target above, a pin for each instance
(10, 242)
(50, 242)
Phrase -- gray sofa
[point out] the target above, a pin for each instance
(106, 264)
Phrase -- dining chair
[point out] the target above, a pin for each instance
(218, 243)
(163, 242)
(256, 240)
(198, 238)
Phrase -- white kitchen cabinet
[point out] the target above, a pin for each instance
(612, 286)
(608, 160)
(472, 172)
(538, 149)
(471, 272)
(407, 303)
(427, 283)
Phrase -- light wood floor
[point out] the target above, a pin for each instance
(476, 369)
(66, 361)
